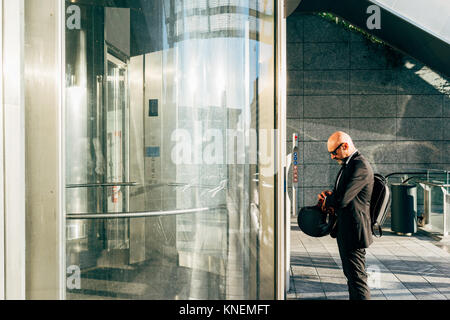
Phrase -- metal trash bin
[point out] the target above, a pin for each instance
(404, 209)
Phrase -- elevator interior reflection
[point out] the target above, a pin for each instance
(141, 225)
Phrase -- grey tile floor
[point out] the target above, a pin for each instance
(399, 268)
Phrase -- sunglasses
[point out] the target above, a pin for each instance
(335, 150)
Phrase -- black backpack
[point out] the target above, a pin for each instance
(379, 203)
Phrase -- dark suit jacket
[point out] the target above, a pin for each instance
(351, 200)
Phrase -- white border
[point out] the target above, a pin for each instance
(2, 181)
(61, 158)
(14, 149)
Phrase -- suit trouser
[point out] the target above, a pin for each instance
(354, 265)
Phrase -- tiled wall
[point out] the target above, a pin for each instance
(395, 109)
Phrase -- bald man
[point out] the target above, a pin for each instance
(351, 200)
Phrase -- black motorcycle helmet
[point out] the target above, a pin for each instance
(314, 222)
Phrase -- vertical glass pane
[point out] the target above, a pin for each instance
(169, 149)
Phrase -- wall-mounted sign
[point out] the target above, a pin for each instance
(153, 107)
(152, 152)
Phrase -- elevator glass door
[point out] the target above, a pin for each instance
(116, 150)
(169, 158)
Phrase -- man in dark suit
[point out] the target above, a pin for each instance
(350, 199)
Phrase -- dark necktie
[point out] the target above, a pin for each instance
(340, 174)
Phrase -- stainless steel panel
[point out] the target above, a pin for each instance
(84, 146)
(45, 274)
(79, 163)
(137, 198)
(162, 229)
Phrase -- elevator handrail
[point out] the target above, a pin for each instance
(134, 184)
(78, 216)
(101, 184)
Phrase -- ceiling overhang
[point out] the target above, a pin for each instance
(423, 40)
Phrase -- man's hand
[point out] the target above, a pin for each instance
(321, 196)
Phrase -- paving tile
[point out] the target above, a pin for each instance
(378, 273)
(335, 272)
(311, 296)
(412, 280)
(303, 271)
(335, 288)
(398, 294)
(291, 296)
(376, 294)
(310, 288)
(427, 294)
(422, 289)
(430, 250)
(442, 284)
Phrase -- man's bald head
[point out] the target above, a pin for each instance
(339, 137)
(343, 143)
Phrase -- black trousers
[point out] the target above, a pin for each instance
(354, 265)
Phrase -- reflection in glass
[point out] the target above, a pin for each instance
(163, 120)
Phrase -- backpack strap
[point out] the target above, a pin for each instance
(379, 230)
